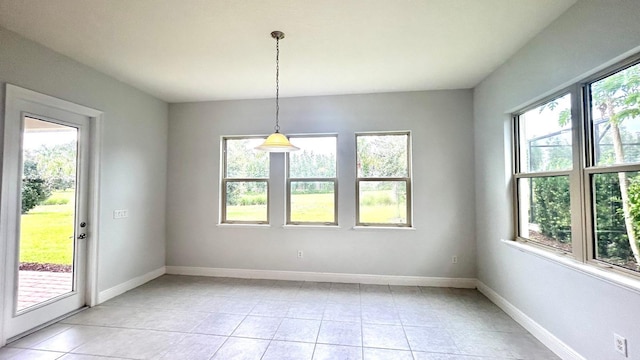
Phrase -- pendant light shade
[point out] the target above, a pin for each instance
(277, 142)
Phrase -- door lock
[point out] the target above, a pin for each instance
(82, 236)
(83, 224)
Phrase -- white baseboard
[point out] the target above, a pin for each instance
(466, 283)
(556, 345)
(128, 285)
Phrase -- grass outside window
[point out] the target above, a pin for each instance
(47, 231)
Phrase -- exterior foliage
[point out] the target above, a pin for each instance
(615, 111)
(56, 163)
(47, 168)
(612, 242)
(551, 210)
(35, 189)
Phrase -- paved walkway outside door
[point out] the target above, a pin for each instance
(38, 286)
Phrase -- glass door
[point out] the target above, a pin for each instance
(47, 241)
(46, 259)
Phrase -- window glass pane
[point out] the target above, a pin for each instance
(545, 215)
(615, 242)
(246, 201)
(383, 202)
(312, 201)
(615, 111)
(545, 137)
(316, 158)
(382, 155)
(243, 161)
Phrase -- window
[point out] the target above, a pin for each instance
(577, 183)
(245, 186)
(543, 167)
(613, 167)
(383, 180)
(312, 182)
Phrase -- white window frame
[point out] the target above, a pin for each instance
(407, 180)
(290, 179)
(225, 180)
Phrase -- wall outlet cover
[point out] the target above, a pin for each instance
(620, 344)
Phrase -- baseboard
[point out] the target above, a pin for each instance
(128, 285)
(466, 283)
(556, 345)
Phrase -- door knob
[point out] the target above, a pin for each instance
(82, 236)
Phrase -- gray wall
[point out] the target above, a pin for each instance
(441, 125)
(134, 152)
(582, 311)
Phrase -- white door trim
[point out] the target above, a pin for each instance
(12, 95)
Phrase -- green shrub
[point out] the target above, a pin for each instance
(376, 198)
(551, 207)
(34, 192)
(252, 199)
(56, 201)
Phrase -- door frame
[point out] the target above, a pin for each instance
(8, 145)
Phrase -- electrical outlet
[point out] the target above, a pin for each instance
(454, 259)
(620, 344)
(300, 254)
(120, 214)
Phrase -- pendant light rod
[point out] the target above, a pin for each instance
(278, 35)
(277, 142)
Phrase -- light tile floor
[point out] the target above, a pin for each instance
(180, 317)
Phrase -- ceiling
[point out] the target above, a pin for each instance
(197, 50)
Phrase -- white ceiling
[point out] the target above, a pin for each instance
(195, 50)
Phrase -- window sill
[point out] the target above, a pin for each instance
(247, 226)
(376, 228)
(611, 277)
(313, 227)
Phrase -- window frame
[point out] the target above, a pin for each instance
(591, 167)
(573, 174)
(224, 180)
(583, 238)
(289, 180)
(407, 180)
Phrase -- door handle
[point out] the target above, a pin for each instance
(82, 236)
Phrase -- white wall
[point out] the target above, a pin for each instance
(134, 150)
(441, 125)
(580, 310)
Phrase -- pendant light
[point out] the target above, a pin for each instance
(277, 142)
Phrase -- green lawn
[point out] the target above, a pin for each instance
(247, 213)
(319, 208)
(46, 232)
(312, 207)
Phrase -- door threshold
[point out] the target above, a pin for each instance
(48, 323)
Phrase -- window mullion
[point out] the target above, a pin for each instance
(542, 174)
(612, 169)
(576, 179)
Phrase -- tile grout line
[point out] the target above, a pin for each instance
(400, 299)
(361, 329)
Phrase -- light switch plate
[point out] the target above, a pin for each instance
(120, 214)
